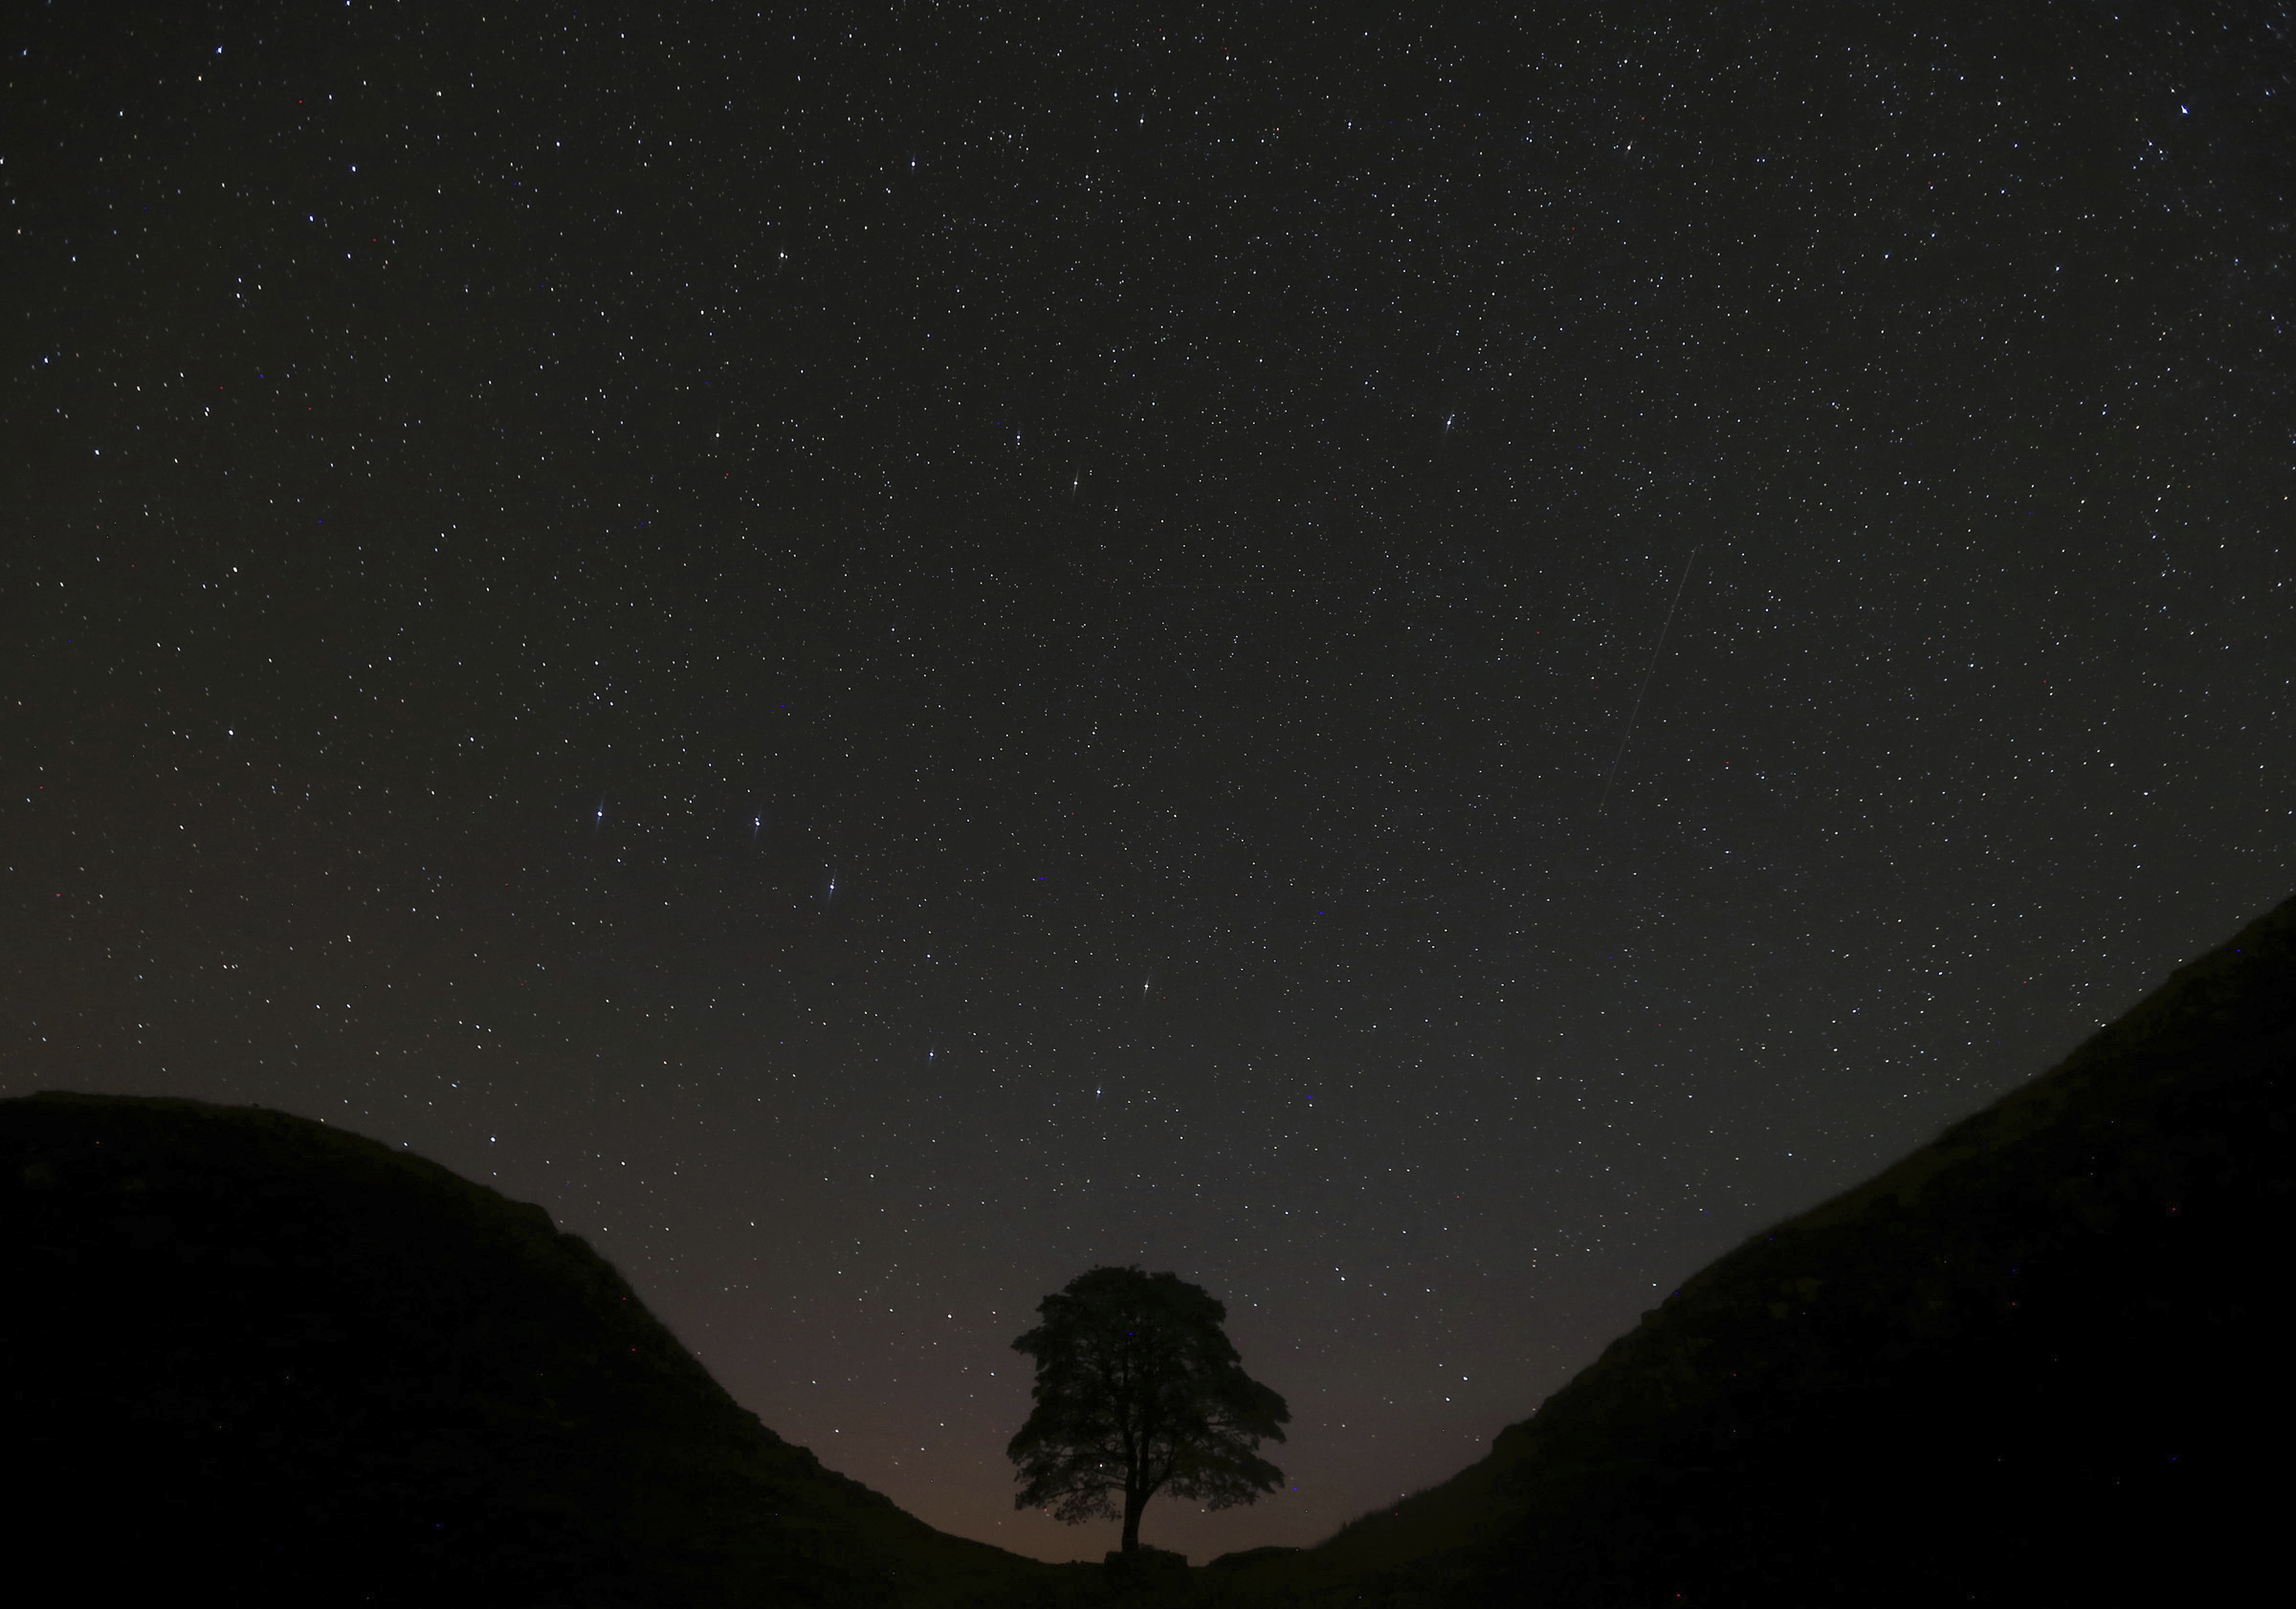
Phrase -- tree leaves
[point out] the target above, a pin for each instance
(1138, 1390)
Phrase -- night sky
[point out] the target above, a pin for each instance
(882, 652)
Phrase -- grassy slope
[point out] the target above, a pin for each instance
(2030, 1362)
(242, 1340)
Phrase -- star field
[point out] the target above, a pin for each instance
(883, 652)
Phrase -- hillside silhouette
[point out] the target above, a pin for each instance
(244, 1347)
(2041, 1361)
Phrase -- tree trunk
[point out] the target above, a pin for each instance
(1134, 1502)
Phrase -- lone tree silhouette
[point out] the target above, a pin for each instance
(1139, 1391)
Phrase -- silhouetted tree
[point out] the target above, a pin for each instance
(1139, 1391)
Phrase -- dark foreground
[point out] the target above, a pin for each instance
(2040, 1361)
(244, 1347)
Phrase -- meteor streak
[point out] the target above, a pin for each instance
(1651, 671)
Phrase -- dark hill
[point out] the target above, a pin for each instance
(2042, 1360)
(241, 1347)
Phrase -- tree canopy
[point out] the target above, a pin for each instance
(1138, 1390)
